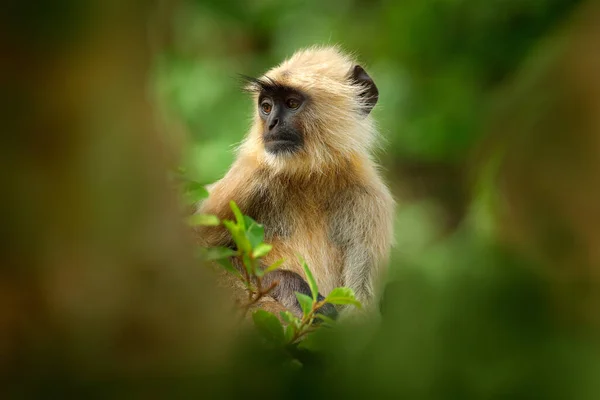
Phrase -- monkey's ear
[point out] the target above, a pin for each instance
(370, 93)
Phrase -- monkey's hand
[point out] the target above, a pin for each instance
(290, 282)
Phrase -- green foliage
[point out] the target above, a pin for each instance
(342, 295)
(203, 219)
(275, 265)
(193, 192)
(461, 318)
(269, 326)
(261, 250)
(217, 253)
(88, 307)
(306, 303)
(256, 232)
(311, 279)
(248, 236)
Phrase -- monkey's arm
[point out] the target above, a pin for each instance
(233, 186)
(361, 226)
(289, 283)
(286, 284)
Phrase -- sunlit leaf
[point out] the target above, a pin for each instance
(230, 225)
(203, 219)
(248, 220)
(269, 326)
(239, 218)
(261, 250)
(306, 303)
(194, 192)
(290, 331)
(238, 235)
(216, 253)
(275, 265)
(342, 295)
(254, 231)
(314, 289)
(248, 264)
(288, 317)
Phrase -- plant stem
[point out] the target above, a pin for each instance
(306, 322)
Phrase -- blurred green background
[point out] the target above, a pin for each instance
(436, 62)
(440, 66)
(469, 105)
(490, 111)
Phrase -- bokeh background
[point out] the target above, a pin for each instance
(490, 111)
(444, 68)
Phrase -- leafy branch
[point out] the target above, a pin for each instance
(248, 236)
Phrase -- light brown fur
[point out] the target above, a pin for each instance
(327, 202)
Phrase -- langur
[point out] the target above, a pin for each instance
(305, 171)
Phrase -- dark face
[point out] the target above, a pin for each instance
(279, 109)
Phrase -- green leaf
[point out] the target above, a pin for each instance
(290, 331)
(342, 295)
(306, 303)
(238, 215)
(238, 235)
(269, 326)
(314, 289)
(231, 226)
(248, 264)
(312, 343)
(254, 231)
(217, 253)
(194, 192)
(325, 319)
(288, 317)
(275, 265)
(203, 219)
(228, 266)
(249, 221)
(261, 250)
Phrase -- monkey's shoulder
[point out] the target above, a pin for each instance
(358, 214)
(358, 197)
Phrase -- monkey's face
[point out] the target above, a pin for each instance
(312, 112)
(279, 108)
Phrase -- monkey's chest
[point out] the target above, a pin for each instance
(303, 230)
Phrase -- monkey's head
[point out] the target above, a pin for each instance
(312, 111)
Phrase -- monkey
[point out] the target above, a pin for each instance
(306, 171)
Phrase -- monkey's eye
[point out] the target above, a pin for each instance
(292, 103)
(266, 107)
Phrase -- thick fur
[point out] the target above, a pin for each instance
(327, 202)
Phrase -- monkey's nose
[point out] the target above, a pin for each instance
(273, 123)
